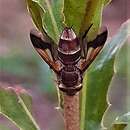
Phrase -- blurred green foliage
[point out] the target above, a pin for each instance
(4, 127)
(31, 69)
(37, 72)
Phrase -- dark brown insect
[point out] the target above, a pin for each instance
(70, 58)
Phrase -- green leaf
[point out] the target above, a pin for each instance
(27, 99)
(97, 80)
(36, 12)
(54, 15)
(47, 15)
(121, 62)
(81, 14)
(106, 2)
(15, 105)
(93, 15)
(4, 127)
(53, 18)
(123, 119)
(121, 122)
(118, 126)
(74, 12)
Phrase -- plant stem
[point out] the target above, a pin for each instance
(71, 112)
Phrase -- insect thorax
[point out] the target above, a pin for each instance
(69, 51)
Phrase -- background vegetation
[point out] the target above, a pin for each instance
(21, 66)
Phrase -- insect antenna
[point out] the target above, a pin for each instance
(87, 31)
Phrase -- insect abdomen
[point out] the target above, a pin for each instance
(69, 76)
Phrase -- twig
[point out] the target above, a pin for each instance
(71, 112)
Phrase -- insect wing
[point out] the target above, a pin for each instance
(100, 39)
(43, 42)
(41, 45)
(94, 47)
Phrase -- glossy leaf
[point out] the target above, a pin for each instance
(27, 99)
(53, 18)
(121, 122)
(15, 105)
(106, 2)
(74, 12)
(121, 62)
(55, 15)
(37, 13)
(93, 15)
(47, 15)
(81, 14)
(119, 126)
(97, 80)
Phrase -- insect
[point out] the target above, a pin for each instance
(70, 58)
